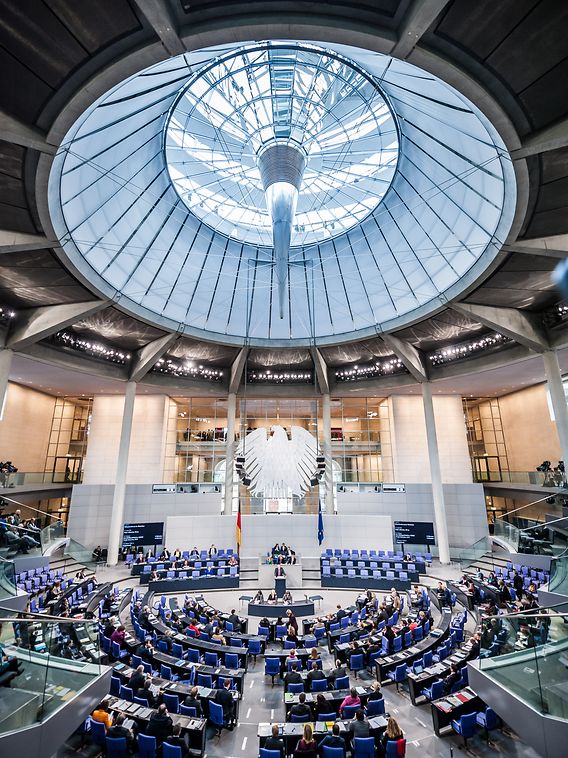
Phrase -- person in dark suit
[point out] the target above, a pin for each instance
(137, 679)
(235, 621)
(475, 647)
(225, 700)
(332, 740)
(518, 584)
(301, 708)
(314, 674)
(275, 743)
(178, 741)
(444, 595)
(146, 651)
(336, 673)
(292, 677)
(192, 701)
(340, 613)
(118, 730)
(145, 693)
(279, 571)
(452, 679)
(160, 725)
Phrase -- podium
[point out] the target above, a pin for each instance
(280, 584)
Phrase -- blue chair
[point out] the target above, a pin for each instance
(171, 751)
(98, 733)
(205, 680)
(427, 658)
(296, 688)
(375, 707)
(263, 631)
(394, 751)
(254, 649)
(126, 693)
(211, 659)
(397, 644)
(333, 752)
(272, 668)
(166, 673)
(342, 683)
(116, 747)
(140, 701)
(349, 711)
(188, 710)
(232, 660)
(171, 702)
(177, 650)
(434, 691)
(216, 717)
(465, 726)
(146, 746)
(115, 686)
(193, 655)
(116, 652)
(295, 719)
(489, 720)
(327, 716)
(356, 663)
(264, 753)
(319, 685)
(364, 747)
(398, 675)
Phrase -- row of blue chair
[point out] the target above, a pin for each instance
(117, 747)
(363, 747)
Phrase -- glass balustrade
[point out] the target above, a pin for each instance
(558, 581)
(46, 663)
(507, 533)
(470, 555)
(527, 653)
(8, 586)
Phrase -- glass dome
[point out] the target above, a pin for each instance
(281, 193)
(312, 100)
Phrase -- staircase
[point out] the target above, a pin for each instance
(311, 572)
(248, 573)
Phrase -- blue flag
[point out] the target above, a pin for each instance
(320, 524)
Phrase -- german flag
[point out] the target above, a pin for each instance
(239, 529)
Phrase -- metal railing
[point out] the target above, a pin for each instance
(537, 478)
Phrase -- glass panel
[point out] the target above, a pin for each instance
(7, 579)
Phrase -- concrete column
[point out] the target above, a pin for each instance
(117, 515)
(326, 445)
(436, 474)
(5, 366)
(230, 454)
(558, 399)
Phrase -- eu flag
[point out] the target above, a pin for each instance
(320, 524)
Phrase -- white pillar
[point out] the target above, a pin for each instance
(117, 515)
(436, 475)
(5, 366)
(230, 454)
(558, 399)
(326, 445)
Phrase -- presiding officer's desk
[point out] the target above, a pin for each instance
(291, 733)
(194, 728)
(182, 689)
(446, 709)
(278, 610)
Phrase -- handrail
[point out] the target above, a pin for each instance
(547, 523)
(25, 505)
(527, 505)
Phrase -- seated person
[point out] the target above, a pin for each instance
(145, 693)
(218, 637)
(453, 678)
(68, 651)
(235, 621)
(102, 715)
(292, 677)
(375, 693)
(160, 725)
(291, 635)
(314, 674)
(232, 561)
(137, 679)
(321, 706)
(225, 699)
(119, 635)
(359, 727)
(307, 744)
(301, 708)
(118, 730)
(259, 597)
(194, 553)
(193, 701)
(416, 598)
(393, 732)
(154, 576)
(178, 741)
(287, 597)
(351, 699)
(337, 673)
(177, 553)
(275, 743)
(273, 597)
(333, 739)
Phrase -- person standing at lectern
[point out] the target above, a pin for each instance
(279, 571)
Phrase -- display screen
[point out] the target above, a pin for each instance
(151, 533)
(414, 533)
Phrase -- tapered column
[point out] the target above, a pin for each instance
(326, 445)
(558, 399)
(117, 515)
(230, 454)
(436, 475)
(5, 366)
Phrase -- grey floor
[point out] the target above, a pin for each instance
(264, 703)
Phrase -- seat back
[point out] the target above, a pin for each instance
(491, 719)
(264, 753)
(98, 732)
(171, 751)
(297, 719)
(296, 687)
(349, 711)
(342, 683)
(171, 702)
(216, 713)
(271, 666)
(396, 749)
(146, 746)
(333, 752)
(356, 662)
(319, 685)
(467, 724)
(364, 747)
(126, 693)
(116, 747)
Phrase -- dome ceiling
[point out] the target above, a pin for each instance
(159, 194)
